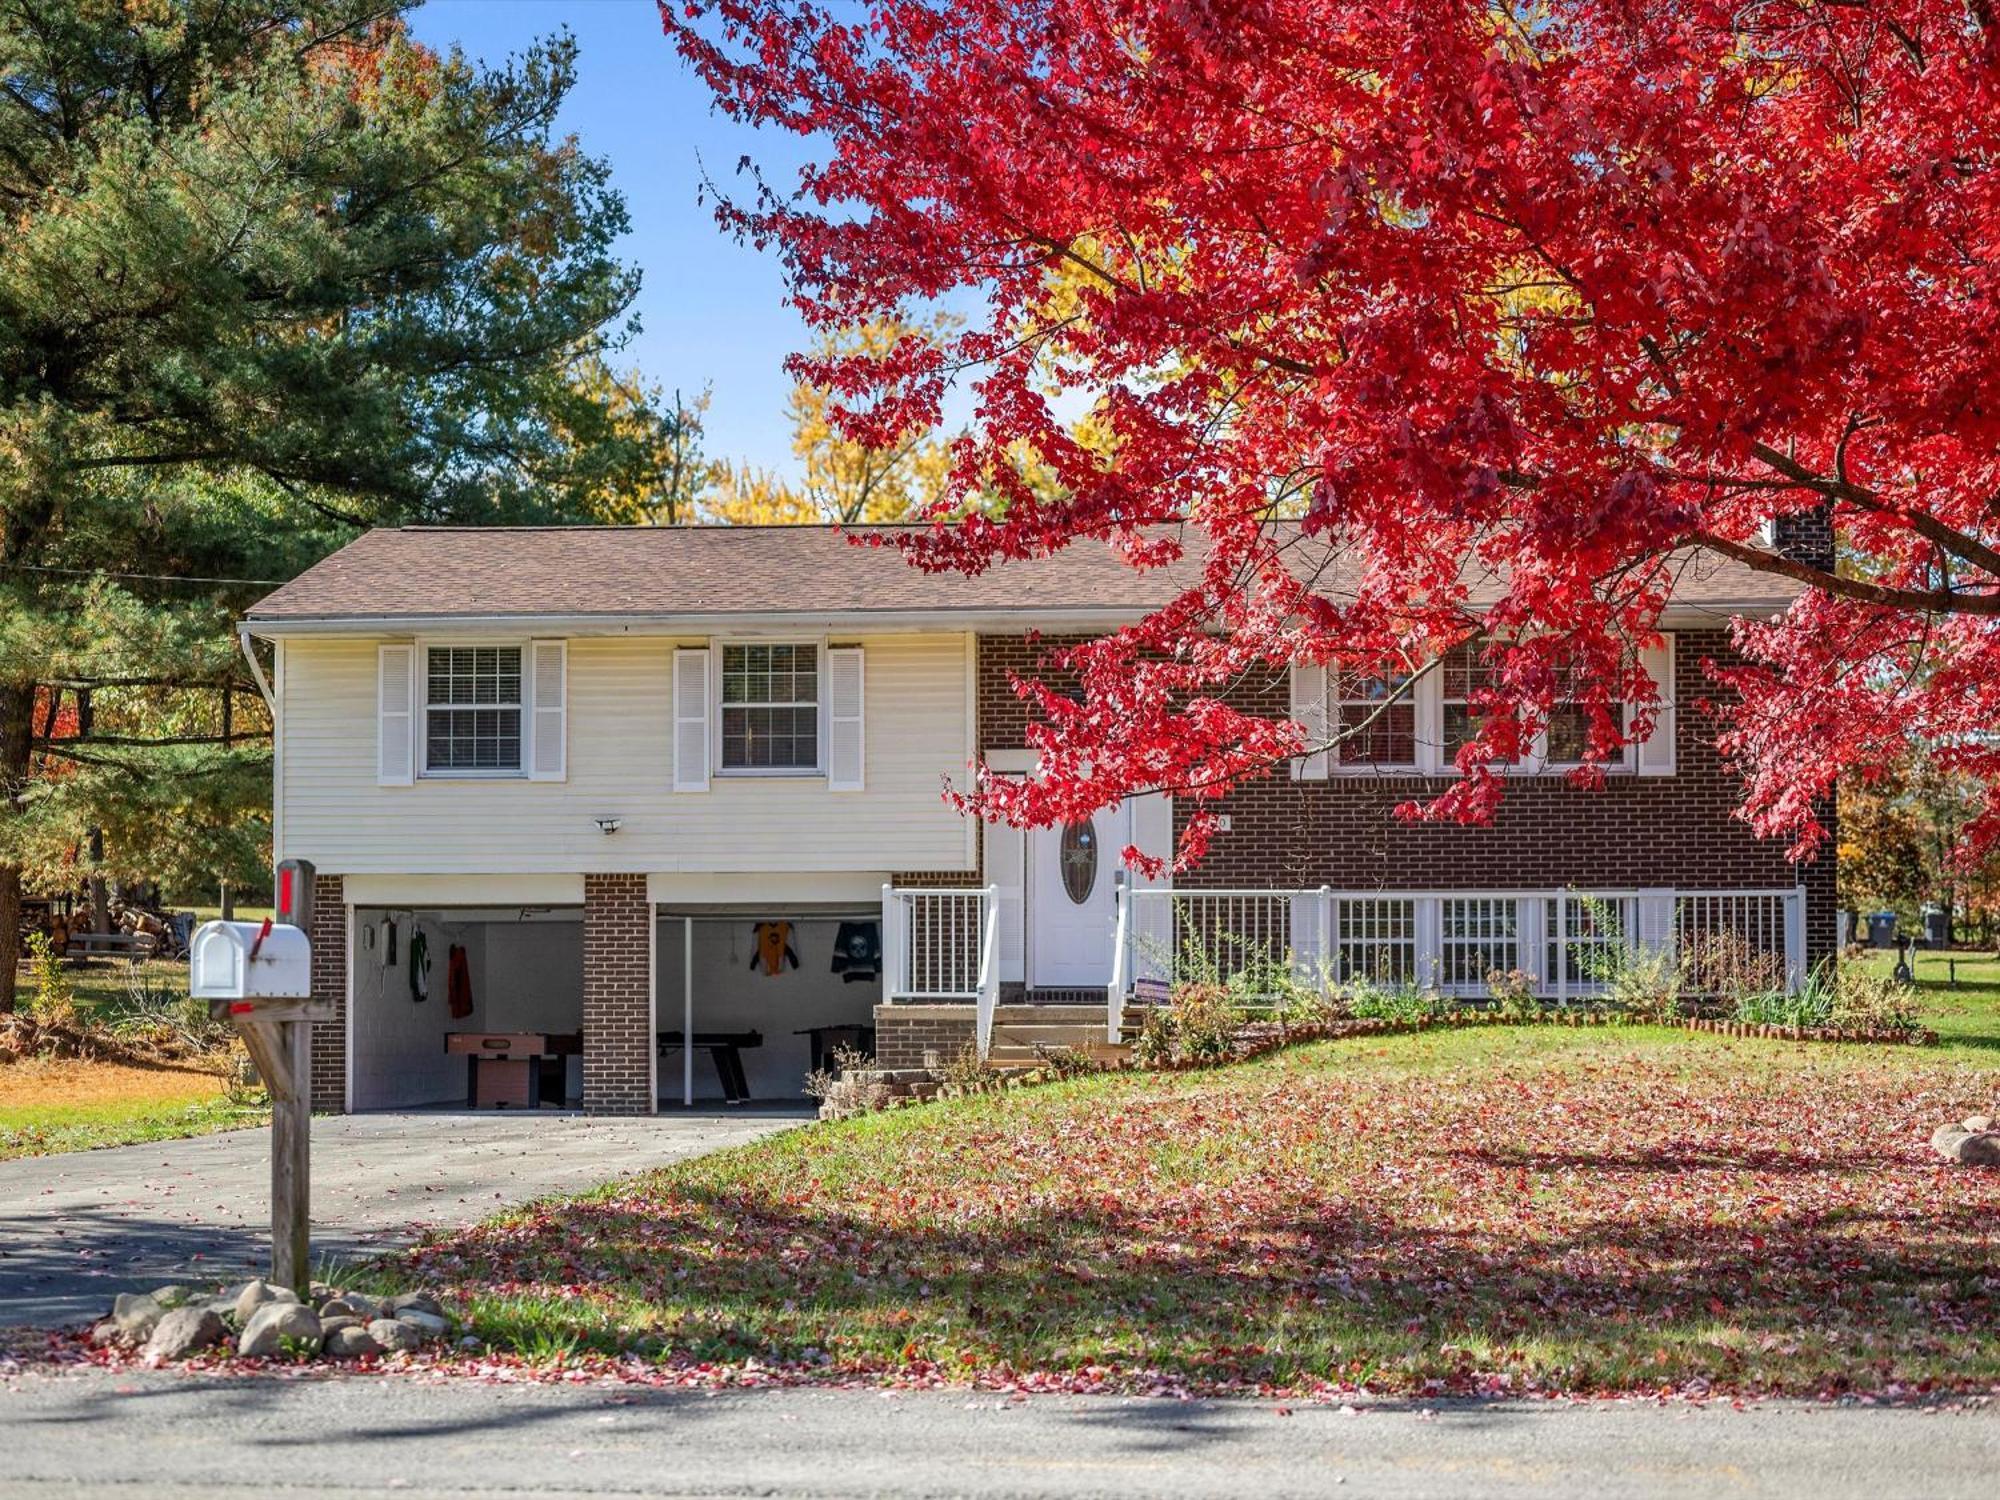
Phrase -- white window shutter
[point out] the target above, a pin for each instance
(548, 708)
(395, 715)
(691, 720)
(1309, 712)
(1427, 715)
(847, 741)
(1656, 752)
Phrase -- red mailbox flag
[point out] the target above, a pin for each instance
(295, 893)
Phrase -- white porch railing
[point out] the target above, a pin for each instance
(1447, 941)
(943, 945)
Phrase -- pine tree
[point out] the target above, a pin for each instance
(273, 272)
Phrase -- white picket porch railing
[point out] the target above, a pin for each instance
(943, 946)
(1447, 941)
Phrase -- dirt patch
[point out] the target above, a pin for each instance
(64, 1083)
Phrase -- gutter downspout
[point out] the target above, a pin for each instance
(277, 735)
(257, 672)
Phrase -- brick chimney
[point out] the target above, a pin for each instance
(1807, 537)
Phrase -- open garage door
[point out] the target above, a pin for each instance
(520, 988)
(766, 992)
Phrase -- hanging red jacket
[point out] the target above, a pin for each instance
(458, 983)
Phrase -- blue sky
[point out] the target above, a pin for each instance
(712, 311)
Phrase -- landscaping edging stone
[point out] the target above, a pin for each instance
(259, 1321)
(871, 1090)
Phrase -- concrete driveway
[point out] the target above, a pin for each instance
(76, 1229)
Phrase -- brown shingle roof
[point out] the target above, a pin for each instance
(441, 573)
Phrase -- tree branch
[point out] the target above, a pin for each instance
(1930, 601)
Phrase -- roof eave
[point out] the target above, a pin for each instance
(1677, 615)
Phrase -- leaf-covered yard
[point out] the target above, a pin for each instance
(1617, 1210)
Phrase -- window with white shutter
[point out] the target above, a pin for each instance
(691, 720)
(1656, 751)
(1308, 711)
(847, 739)
(395, 715)
(548, 688)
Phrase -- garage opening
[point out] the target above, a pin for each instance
(515, 1041)
(767, 993)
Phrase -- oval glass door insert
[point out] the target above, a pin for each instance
(1077, 854)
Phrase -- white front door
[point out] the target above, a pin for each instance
(1073, 901)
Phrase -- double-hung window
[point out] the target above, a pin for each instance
(472, 710)
(1377, 723)
(1465, 677)
(770, 712)
(1567, 738)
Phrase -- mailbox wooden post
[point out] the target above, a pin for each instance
(259, 976)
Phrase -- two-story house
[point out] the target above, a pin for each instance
(656, 782)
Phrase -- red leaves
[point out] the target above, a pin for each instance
(1505, 314)
(1476, 1212)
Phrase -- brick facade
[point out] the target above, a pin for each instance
(1678, 830)
(618, 1037)
(905, 1033)
(328, 936)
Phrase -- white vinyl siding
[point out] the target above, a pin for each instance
(621, 763)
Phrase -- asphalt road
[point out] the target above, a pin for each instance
(169, 1435)
(78, 1228)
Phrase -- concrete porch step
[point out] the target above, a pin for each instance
(1045, 1031)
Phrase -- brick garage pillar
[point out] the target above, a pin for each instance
(328, 936)
(617, 996)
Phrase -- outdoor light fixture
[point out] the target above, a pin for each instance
(608, 825)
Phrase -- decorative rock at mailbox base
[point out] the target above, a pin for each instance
(261, 1321)
(186, 1331)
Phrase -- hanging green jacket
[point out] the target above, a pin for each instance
(420, 965)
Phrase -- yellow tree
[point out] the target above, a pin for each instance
(839, 479)
(648, 466)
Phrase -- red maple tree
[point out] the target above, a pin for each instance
(1514, 307)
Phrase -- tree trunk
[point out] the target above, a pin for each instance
(100, 906)
(17, 728)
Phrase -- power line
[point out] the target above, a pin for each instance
(142, 577)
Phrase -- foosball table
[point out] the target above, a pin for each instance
(514, 1069)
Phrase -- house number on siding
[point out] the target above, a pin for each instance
(1078, 856)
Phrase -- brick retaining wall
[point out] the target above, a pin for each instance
(903, 1033)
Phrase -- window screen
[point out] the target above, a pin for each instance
(770, 708)
(472, 708)
(1378, 722)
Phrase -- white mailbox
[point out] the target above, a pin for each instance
(244, 961)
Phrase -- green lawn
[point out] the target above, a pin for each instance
(48, 1106)
(1965, 1014)
(1590, 1210)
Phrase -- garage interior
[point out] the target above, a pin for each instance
(714, 978)
(524, 967)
